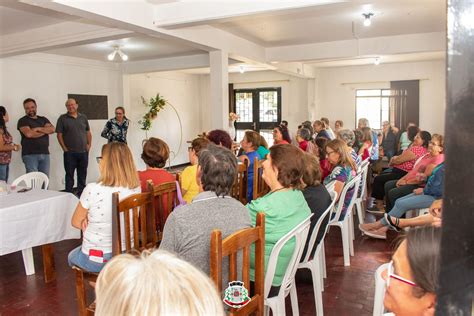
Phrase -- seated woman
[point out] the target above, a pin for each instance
(250, 144)
(189, 185)
(162, 285)
(413, 274)
(324, 164)
(303, 137)
(420, 198)
(262, 147)
(93, 213)
(284, 206)
(155, 154)
(416, 177)
(281, 135)
(433, 218)
(220, 138)
(400, 166)
(366, 147)
(348, 137)
(343, 170)
(320, 129)
(407, 137)
(317, 197)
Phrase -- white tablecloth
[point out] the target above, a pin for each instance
(35, 218)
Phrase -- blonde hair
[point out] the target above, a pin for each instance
(118, 169)
(340, 146)
(156, 283)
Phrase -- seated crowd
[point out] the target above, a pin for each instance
(300, 173)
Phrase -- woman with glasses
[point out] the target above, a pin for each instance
(93, 212)
(343, 170)
(115, 130)
(416, 177)
(412, 275)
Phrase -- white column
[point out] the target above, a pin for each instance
(219, 79)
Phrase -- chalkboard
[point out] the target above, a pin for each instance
(95, 107)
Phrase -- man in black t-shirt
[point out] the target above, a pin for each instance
(34, 130)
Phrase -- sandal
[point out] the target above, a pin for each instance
(393, 225)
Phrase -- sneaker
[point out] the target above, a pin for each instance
(378, 234)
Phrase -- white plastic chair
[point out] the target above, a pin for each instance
(277, 303)
(33, 180)
(379, 290)
(346, 224)
(315, 264)
(364, 170)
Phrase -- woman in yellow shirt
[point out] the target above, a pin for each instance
(189, 186)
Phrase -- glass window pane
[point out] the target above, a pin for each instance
(369, 108)
(244, 106)
(268, 106)
(268, 135)
(368, 93)
(239, 134)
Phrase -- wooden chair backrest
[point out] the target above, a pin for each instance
(136, 213)
(239, 189)
(260, 188)
(230, 247)
(165, 199)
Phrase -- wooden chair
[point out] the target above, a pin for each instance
(165, 199)
(260, 188)
(230, 246)
(239, 189)
(124, 214)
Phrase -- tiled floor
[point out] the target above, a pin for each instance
(348, 290)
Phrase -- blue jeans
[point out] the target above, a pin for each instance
(4, 169)
(79, 162)
(409, 202)
(77, 258)
(38, 162)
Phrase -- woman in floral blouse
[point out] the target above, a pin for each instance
(115, 129)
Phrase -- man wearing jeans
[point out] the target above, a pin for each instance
(75, 138)
(34, 130)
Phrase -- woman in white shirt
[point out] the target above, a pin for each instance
(93, 213)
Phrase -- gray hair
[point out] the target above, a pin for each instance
(304, 133)
(364, 122)
(347, 136)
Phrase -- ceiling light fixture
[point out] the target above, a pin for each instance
(116, 51)
(367, 18)
(377, 61)
(241, 69)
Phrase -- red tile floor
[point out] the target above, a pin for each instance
(347, 290)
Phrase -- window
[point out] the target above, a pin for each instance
(259, 110)
(373, 105)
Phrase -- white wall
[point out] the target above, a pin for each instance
(48, 79)
(181, 91)
(296, 94)
(335, 96)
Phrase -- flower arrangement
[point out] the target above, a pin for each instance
(155, 105)
(233, 116)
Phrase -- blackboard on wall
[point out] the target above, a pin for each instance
(95, 107)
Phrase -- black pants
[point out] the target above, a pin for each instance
(79, 162)
(392, 193)
(378, 187)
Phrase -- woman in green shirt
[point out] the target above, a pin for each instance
(285, 206)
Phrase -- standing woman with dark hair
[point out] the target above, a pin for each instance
(115, 130)
(6, 145)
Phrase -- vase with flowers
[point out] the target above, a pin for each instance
(232, 119)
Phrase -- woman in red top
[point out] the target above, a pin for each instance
(281, 135)
(326, 167)
(366, 147)
(399, 167)
(155, 154)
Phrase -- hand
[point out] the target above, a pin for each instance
(436, 222)
(16, 147)
(400, 183)
(418, 191)
(84, 224)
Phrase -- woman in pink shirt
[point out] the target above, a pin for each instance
(417, 176)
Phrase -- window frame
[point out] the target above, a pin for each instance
(380, 96)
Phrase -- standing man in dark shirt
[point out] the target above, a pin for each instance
(75, 138)
(34, 130)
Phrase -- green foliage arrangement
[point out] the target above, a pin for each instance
(154, 105)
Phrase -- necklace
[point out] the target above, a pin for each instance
(282, 188)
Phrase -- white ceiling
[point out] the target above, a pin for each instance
(139, 47)
(333, 22)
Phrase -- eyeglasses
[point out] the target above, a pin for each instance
(98, 159)
(433, 143)
(390, 275)
(328, 153)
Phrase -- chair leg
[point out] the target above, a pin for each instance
(316, 274)
(28, 261)
(351, 234)
(81, 293)
(294, 300)
(360, 212)
(345, 242)
(323, 256)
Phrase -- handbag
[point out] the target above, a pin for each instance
(180, 195)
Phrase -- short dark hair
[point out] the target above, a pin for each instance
(199, 144)
(426, 137)
(312, 174)
(220, 137)
(290, 171)
(424, 254)
(325, 120)
(155, 152)
(411, 132)
(284, 123)
(218, 169)
(321, 142)
(29, 100)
